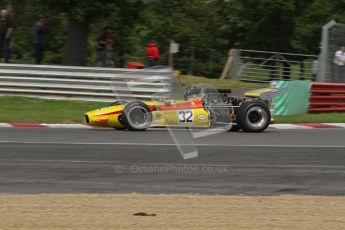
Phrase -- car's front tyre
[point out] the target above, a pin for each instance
(136, 116)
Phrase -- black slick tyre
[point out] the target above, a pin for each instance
(136, 116)
(253, 116)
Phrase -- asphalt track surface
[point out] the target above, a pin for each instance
(36, 160)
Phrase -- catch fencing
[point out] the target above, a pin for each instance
(265, 66)
(327, 97)
(333, 34)
(84, 83)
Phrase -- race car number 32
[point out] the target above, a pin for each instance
(185, 116)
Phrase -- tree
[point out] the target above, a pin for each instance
(310, 20)
(269, 24)
(80, 14)
(205, 29)
(195, 25)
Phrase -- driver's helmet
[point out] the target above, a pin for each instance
(191, 92)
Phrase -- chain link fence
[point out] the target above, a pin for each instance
(333, 37)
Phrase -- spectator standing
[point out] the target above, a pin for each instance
(339, 61)
(152, 53)
(6, 29)
(40, 30)
(105, 50)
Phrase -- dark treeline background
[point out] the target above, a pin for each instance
(205, 29)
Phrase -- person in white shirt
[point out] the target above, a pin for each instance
(339, 61)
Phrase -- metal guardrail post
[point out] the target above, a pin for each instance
(236, 55)
(227, 67)
(321, 76)
(231, 65)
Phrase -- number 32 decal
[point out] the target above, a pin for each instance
(185, 116)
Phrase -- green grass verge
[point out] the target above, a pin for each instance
(23, 109)
(226, 83)
(312, 118)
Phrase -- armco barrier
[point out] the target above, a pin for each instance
(84, 83)
(327, 97)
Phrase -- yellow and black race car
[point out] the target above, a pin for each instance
(202, 107)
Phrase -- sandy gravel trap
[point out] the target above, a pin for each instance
(136, 211)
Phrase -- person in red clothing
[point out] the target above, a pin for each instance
(105, 43)
(152, 53)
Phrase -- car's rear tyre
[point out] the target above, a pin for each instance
(253, 116)
(136, 116)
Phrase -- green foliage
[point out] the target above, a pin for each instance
(312, 118)
(205, 29)
(309, 23)
(267, 19)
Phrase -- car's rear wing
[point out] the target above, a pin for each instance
(266, 94)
